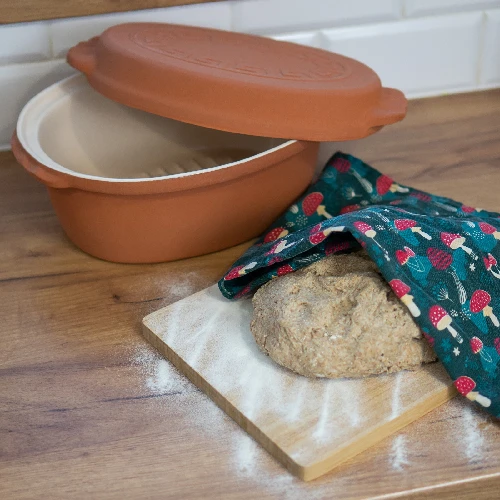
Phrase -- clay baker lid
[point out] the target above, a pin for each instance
(237, 83)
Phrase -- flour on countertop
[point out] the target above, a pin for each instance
(213, 336)
(471, 434)
(399, 453)
(182, 286)
(160, 376)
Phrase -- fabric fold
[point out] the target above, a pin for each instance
(439, 256)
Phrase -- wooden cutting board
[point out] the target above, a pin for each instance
(310, 425)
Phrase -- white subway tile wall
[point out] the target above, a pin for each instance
(420, 56)
(423, 47)
(19, 83)
(490, 65)
(67, 32)
(24, 42)
(267, 16)
(430, 7)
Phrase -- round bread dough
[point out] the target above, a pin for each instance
(337, 318)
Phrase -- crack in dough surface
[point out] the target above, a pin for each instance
(337, 318)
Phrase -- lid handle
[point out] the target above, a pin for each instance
(391, 109)
(82, 55)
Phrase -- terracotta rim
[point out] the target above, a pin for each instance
(56, 179)
(29, 152)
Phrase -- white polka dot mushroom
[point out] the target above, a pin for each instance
(489, 229)
(274, 234)
(476, 344)
(405, 224)
(490, 262)
(455, 241)
(402, 291)
(480, 302)
(442, 320)
(465, 386)
(369, 232)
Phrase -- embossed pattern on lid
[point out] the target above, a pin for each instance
(262, 57)
(238, 83)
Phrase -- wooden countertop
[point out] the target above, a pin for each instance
(89, 410)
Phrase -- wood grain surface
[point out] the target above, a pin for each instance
(17, 11)
(310, 425)
(89, 410)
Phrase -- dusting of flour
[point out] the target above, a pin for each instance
(215, 340)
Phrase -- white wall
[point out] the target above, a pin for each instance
(423, 47)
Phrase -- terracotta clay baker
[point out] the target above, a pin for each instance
(180, 141)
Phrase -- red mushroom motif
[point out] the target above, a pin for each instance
(234, 273)
(369, 232)
(496, 343)
(317, 235)
(421, 196)
(285, 269)
(489, 229)
(468, 210)
(487, 263)
(386, 184)
(365, 228)
(480, 302)
(244, 292)
(404, 224)
(490, 262)
(349, 208)
(312, 203)
(238, 271)
(402, 291)
(476, 344)
(409, 251)
(402, 257)
(455, 241)
(274, 234)
(465, 386)
(342, 165)
(440, 259)
(336, 246)
(442, 320)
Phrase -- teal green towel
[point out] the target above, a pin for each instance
(440, 257)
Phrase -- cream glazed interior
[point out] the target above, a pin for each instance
(71, 128)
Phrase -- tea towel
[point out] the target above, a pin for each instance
(439, 256)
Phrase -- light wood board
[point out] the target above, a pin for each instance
(309, 425)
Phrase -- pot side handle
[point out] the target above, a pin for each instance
(43, 174)
(82, 56)
(391, 109)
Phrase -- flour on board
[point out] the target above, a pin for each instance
(308, 419)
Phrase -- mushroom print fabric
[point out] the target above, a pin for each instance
(440, 257)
